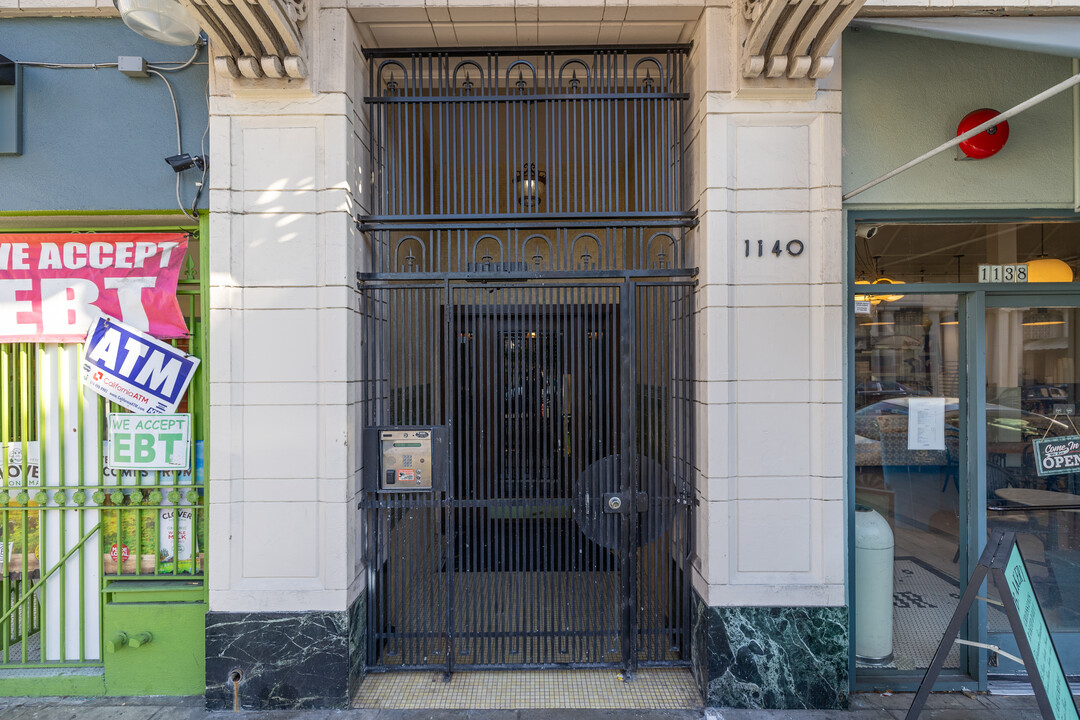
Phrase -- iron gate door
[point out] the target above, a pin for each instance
(525, 285)
(562, 536)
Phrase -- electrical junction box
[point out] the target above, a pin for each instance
(405, 459)
(154, 637)
(132, 66)
(11, 102)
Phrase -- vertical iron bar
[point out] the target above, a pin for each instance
(448, 500)
(581, 570)
(628, 551)
(405, 148)
(496, 418)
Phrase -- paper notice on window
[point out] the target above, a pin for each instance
(926, 423)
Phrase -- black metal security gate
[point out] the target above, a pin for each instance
(548, 327)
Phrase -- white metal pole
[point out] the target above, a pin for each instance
(1044, 95)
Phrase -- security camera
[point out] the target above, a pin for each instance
(186, 161)
(865, 232)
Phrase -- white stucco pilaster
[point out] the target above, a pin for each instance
(765, 166)
(283, 463)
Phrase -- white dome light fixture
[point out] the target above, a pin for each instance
(165, 21)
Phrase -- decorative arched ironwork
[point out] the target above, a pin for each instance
(582, 254)
(503, 146)
(647, 82)
(518, 84)
(409, 262)
(573, 82)
(485, 247)
(384, 76)
(462, 78)
(454, 128)
(537, 258)
(666, 253)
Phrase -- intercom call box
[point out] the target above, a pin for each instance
(405, 459)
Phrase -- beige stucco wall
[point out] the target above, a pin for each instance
(905, 95)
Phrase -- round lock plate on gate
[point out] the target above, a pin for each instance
(614, 502)
(599, 484)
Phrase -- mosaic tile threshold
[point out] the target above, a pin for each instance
(651, 688)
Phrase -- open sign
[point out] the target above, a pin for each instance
(1057, 455)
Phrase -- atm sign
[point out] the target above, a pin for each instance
(149, 442)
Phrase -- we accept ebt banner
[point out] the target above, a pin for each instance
(52, 285)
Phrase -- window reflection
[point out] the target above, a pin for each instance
(1032, 387)
(907, 439)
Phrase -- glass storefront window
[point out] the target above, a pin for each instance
(910, 369)
(907, 435)
(938, 253)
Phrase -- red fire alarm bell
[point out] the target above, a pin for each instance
(989, 141)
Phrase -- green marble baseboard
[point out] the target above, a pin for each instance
(357, 628)
(771, 657)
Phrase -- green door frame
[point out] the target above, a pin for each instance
(972, 299)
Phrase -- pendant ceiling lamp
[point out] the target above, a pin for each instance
(531, 186)
(1049, 270)
(878, 299)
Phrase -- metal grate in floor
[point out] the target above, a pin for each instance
(651, 688)
(33, 650)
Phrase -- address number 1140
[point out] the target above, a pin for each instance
(794, 248)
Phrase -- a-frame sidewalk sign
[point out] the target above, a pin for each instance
(1005, 565)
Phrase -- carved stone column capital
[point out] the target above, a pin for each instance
(791, 38)
(254, 38)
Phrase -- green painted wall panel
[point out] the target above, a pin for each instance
(904, 95)
(56, 683)
(171, 664)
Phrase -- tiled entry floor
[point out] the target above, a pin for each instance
(668, 688)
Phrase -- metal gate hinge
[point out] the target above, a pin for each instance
(685, 498)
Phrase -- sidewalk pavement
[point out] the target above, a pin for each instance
(864, 706)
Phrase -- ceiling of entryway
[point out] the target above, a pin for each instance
(431, 25)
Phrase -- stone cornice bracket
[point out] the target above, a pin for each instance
(791, 37)
(253, 38)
